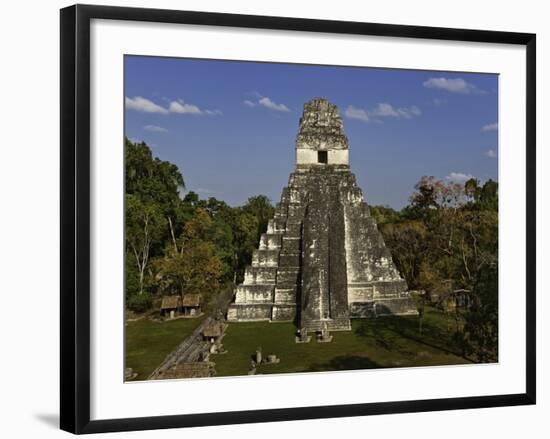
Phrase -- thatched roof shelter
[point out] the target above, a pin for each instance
(191, 300)
(170, 302)
(214, 330)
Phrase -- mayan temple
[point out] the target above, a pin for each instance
(322, 260)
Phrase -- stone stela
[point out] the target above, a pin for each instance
(322, 260)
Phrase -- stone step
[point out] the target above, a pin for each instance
(256, 293)
(283, 313)
(260, 275)
(294, 228)
(290, 244)
(265, 258)
(285, 295)
(289, 260)
(276, 225)
(285, 196)
(343, 324)
(249, 312)
(295, 194)
(281, 210)
(296, 211)
(270, 241)
(288, 277)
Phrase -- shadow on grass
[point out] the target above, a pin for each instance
(345, 362)
(382, 329)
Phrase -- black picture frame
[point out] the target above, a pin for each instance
(75, 217)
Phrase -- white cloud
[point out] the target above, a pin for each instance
(213, 112)
(268, 103)
(453, 85)
(438, 102)
(155, 128)
(490, 127)
(458, 177)
(381, 110)
(182, 108)
(356, 113)
(387, 110)
(384, 110)
(139, 103)
(491, 153)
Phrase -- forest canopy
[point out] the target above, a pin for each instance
(180, 245)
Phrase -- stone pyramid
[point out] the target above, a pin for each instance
(322, 260)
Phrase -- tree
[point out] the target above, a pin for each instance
(407, 241)
(246, 239)
(144, 224)
(152, 180)
(480, 335)
(260, 207)
(448, 236)
(384, 214)
(194, 267)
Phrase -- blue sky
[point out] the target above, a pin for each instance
(230, 126)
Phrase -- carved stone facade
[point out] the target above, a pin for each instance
(322, 260)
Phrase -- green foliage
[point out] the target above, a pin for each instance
(131, 277)
(408, 242)
(245, 233)
(179, 246)
(140, 302)
(150, 178)
(446, 240)
(384, 214)
(261, 208)
(192, 267)
(144, 228)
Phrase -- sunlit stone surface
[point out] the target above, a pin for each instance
(322, 260)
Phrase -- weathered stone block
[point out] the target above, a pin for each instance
(255, 293)
(286, 295)
(289, 260)
(265, 258)
(248, 313)
(260, 275)
(284, 313)
(288, 277)
(270, 241)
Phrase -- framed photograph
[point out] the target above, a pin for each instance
(274, 218)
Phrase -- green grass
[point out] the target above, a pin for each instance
(372, 343)
(149, 342)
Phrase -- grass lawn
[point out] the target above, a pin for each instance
(373, 343)
(149, 342)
